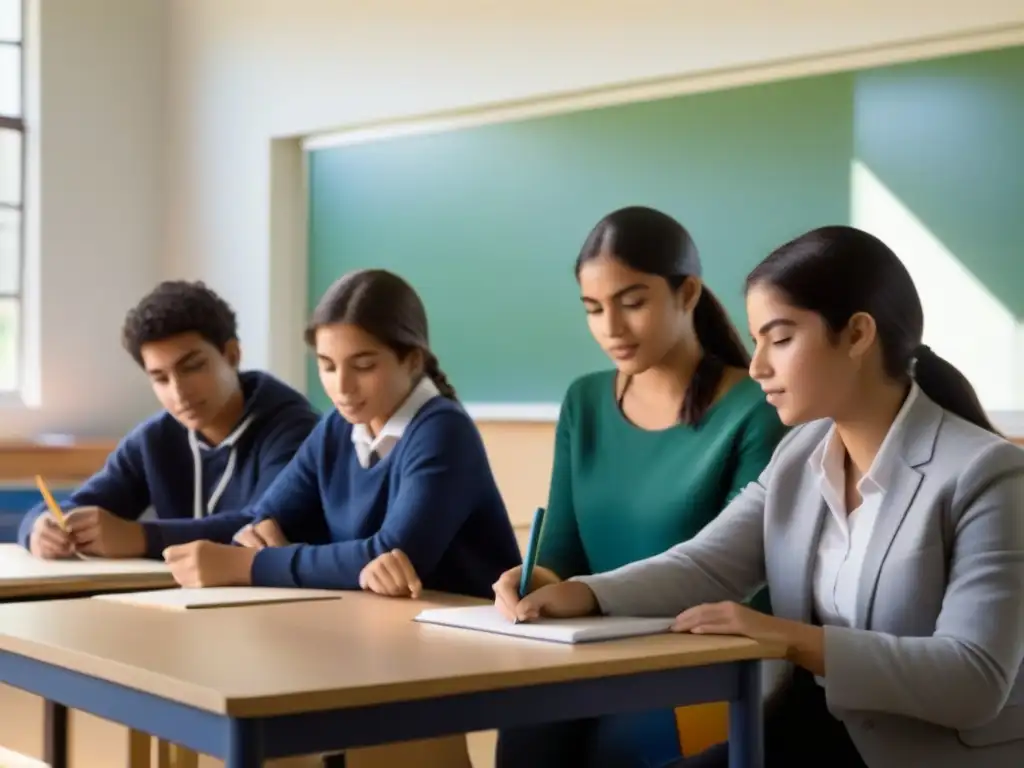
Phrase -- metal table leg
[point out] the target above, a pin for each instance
(746, 720)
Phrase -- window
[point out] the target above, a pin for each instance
(12, 189)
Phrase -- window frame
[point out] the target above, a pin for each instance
(17, 124)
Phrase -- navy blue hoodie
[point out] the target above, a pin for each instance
(163, 465)
(433, 496)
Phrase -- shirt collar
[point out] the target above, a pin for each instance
(395, 427)
(829, 458)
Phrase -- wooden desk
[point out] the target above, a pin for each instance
(253, 683)
(23, 577)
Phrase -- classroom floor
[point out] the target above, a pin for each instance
(97, 743)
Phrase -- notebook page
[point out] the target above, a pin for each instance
(187, 598)
(486, 618)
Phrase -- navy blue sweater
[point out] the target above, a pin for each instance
(156, 464)
(433, 497)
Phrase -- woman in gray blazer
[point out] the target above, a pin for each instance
(889, 528)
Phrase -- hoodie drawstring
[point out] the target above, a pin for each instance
(198, 510)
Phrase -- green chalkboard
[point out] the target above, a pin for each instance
(947, 138)
(486, 222)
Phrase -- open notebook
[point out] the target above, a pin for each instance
(185, 598)
(486, 618)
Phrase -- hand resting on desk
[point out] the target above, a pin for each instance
(391, 574)
(206, 564)
(265, 533)
(570, 599)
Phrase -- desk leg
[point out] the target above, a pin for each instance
(55, 734)
(245, 744)
(746, 720)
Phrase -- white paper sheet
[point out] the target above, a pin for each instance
(486, 618)
(185, 598)
(16, 564)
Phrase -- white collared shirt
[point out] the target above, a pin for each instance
(845, 537)
(389, 435)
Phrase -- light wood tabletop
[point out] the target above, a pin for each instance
(24, 576)
(304, 657)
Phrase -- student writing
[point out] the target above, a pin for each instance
(392, 492)
(219, 442)
(888, 527)
(646, 454)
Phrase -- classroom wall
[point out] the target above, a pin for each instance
(244, 74)
(238, 74)
(143, 92)
(98, 138)
(247, 79)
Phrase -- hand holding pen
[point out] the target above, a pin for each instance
(515, 583)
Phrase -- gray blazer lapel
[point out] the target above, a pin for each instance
(917, 445)
(810, 510)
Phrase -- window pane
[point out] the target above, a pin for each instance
(10, 19)
(10, 342)
(10, 80)
(10, 250)
(10, 167)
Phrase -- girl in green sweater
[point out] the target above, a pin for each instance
(646, 455)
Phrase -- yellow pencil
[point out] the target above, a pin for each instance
(55, 510)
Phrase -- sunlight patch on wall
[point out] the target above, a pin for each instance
(964, 322)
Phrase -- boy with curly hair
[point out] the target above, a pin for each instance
(219, 442)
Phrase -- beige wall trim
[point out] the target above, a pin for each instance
(928, 48)
(543, 412)
(289, 263)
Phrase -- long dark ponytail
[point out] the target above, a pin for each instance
(948, 387)
(389, 309)
(653, 242)
(838, 271)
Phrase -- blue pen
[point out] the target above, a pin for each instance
(532, 550)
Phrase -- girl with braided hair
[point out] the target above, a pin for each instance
(392, 492)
